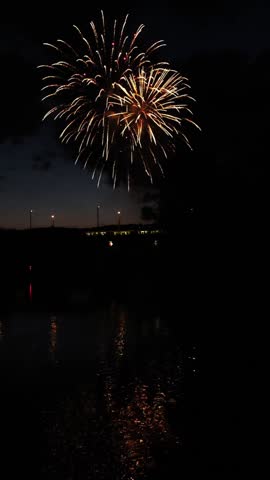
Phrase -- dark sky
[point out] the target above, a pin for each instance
(35, 170)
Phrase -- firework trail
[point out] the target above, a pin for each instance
(114, 101)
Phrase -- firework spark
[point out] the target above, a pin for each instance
(114, 101)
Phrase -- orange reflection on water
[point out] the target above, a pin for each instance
(141, 423)
(138, 416)
(120, 338)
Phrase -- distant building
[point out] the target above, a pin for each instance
(125, 230)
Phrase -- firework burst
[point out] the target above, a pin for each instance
(79, 86)
(116, 104)
(151, 108)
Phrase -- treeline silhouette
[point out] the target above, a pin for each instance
(223, 181)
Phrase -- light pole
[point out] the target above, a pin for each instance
(98, 208)
(52, 219)
(30, 218)
(119, 217)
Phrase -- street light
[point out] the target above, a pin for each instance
(52, 219)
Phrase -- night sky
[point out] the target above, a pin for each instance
(36, 171)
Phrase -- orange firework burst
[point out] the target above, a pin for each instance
(151, 108)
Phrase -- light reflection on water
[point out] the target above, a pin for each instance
(138, 415)
(119, 415)
(30, 292)
(53, 338)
